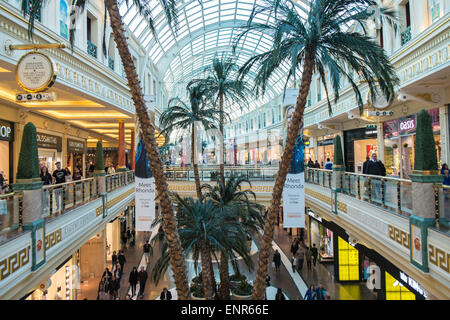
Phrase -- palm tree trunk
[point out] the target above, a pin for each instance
(224, 278)
(213, 278)
(221, 122)
(294, 126)
(148, 132)
(206, 272)
(195, 165)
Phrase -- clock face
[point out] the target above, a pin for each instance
(34, 72)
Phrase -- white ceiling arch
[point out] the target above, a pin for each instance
(206, 27)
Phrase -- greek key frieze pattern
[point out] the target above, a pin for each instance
(116, 200)
(399, 236)
(14, 262)
(342, 207)
(53, 238)
(439, 258)
(319, 196)
(98, 211)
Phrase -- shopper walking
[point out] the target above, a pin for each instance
(328, 164)
(308, 258)
(310, 163)
(113, 289)
(376, 168)
(114, 260)
(59, 176)
(315, 253)
(165, 295)
(267, 280)
(320, 292)
(365, 164)
(102, 289)
(311, 293)
(146, 248)
(277, 260)
(300, 257)
(107, 274)
(121, 259)
(317, 164)
(279, 295)
(293, 263)
(294, 247)
(446, 174)
(46, 176)
(133, 280)
(118, 274)
(142, 277)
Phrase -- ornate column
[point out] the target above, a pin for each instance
(121, 166)
(425, 178)
(132, 155)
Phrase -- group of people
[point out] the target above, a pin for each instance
(328, 164)
(129, 237)
(59, 175)
(319, 293)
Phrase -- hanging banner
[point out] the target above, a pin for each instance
(294, 189)
(145, 190)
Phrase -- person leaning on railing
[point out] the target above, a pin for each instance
(445, 173)
(46, 176)
(59, 176)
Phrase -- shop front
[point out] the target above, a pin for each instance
(62, 285)
(325, 149)
(49, 150)
(76, 156)
(358, 145)
(309, 150)
(6, 150)
(320, 236)
(399, 140)
(113, 233)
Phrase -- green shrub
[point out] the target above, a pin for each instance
(99, 160)
(197, 289)
(425, 149)
(244, 288)
(28, 166)
(237, 277)
(338, 154)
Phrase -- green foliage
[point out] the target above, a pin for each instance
(99, 158)
(28, 166)
(237, 277)
(425, 149)
(325, 40)
(338, 154)
(197, 289)
(244, 288)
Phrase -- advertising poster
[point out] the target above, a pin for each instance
(145, 190)
(294, 189)
(416, 235)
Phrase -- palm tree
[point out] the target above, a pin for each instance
(148, 130)
(223, 87)
(182, 116)
(321, 40)
(230, 200)
(203, 230)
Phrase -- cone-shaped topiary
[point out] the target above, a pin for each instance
(28, 166)
(338, 154)
(99, 160)
(425, 149)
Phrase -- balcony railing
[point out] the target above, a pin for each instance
(443, 195)
(210, 174)
(91, 49)
(118, 180)
(10, 215)
(59, 198)
(111, 63)
(405, 36)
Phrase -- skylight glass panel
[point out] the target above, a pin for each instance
(132, 12)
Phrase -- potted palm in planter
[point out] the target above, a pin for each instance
(243, 291)
(236, 278)
(197, 289)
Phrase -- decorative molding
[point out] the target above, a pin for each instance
(399, 236)
(439, 258)
(14, 262)
(342, 206)
(116, 200)
(319, 196)
(53, 238)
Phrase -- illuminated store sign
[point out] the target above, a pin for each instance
(396, 291)
(413, 283)
(348, 261)
(6, 131)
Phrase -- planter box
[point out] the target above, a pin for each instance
(238, 297)
(193, 297)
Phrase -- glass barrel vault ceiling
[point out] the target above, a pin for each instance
(206, 28)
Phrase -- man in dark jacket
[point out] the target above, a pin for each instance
(165, 295)
(294, 247)
(121, 259)
(365, 164)
(277, 260)
(133, 280)
(375, 167)
(315, 253)
(142, 277)
(107, 274)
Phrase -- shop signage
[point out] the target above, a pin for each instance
(35, 72)
(390, 129)
(312, 214)
(325, 142)
(290, 96)
(407, 125)
(6, 131)
(380, 113)
(75, 146)
(49, 142)
(413, 284)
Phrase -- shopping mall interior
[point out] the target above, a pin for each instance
(224, 150)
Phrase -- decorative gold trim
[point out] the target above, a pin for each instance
(426, 172)
(439, 258)
(14, 262)
(53, 238)
(399, 236)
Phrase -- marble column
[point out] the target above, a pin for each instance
(132, 151)
(121, 166)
